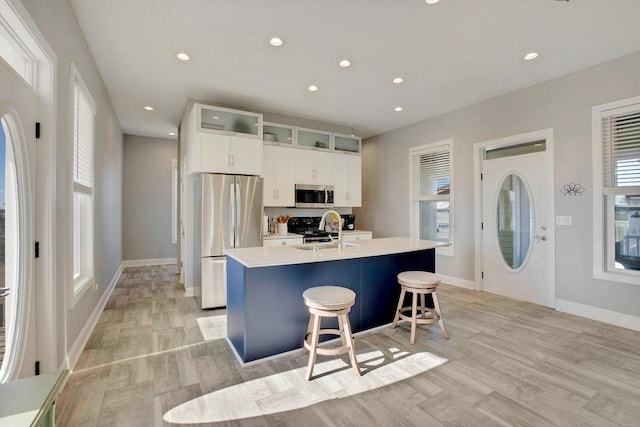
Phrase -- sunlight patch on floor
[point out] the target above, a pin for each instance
(289, 390)
(213, 327)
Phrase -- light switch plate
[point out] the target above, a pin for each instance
(564, 220)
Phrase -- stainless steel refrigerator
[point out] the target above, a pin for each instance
(228, 214)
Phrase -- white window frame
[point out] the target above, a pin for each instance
(83, 264)
(603, 203)
(415, 199)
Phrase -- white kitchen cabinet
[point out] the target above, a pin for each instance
(221, 140)
(276, 134)
(285, 241)
(316, 139)
(347, 143)
(278, 173)
(226, 154)
(312, 167)
(350, 236)
(346, 173)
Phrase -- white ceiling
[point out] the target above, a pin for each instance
(452, 54)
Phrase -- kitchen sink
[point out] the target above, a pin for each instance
(321, 246)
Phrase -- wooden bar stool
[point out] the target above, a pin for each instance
(329, 301)
(419, 283)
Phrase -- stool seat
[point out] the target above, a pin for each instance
(323, 302)
(418, 279)
(329, 297)
(419, 284)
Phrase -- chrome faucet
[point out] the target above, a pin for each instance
(340, 221)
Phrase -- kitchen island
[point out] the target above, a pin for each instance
(265, 311)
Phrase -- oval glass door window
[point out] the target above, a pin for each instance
(514, 221)
(9, 267)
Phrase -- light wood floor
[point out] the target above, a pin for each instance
(507, 363)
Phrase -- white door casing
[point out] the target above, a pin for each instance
(183, 246)
(534, 279)
(18, 105)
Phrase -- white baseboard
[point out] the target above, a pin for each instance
(468, 284)
(600, 314)
(146, 262)
(73, 355)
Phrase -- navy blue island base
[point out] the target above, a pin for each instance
(267, 316)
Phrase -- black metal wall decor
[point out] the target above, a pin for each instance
(572, 189)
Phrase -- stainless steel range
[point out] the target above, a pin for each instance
(308, 227)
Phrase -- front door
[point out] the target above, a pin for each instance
(17, 206)
(517, 225)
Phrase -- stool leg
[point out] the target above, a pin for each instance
(350, 342)
(307, 337)
(436, 305)
(422, 305)
(400, 302)
(342, 329)
(314, 346)
(414, 317)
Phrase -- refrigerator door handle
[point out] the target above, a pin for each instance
(238, 215)
(232, 216)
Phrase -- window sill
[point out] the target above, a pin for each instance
(80, 287)
(632, 278)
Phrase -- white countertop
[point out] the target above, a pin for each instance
(284, 255)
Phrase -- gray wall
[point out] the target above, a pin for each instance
(146, 204)
(58, 24)
(563, 104)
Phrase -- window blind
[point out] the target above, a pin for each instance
(83, 136)
(621, 151)
(434, 169)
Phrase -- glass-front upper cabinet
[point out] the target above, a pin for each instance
(275, 134)
(346, 143)
(310, 138)
(228, 121)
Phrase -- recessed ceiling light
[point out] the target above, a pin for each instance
(313, 88)
(344, 63)
(172, 133)
(215, 118)
(531, 55)
(397, 109)
(431, 1)
(398, 80)
(183, 56)
(276, 41)
(148, 107)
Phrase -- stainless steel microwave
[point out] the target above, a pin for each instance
(314, 196)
